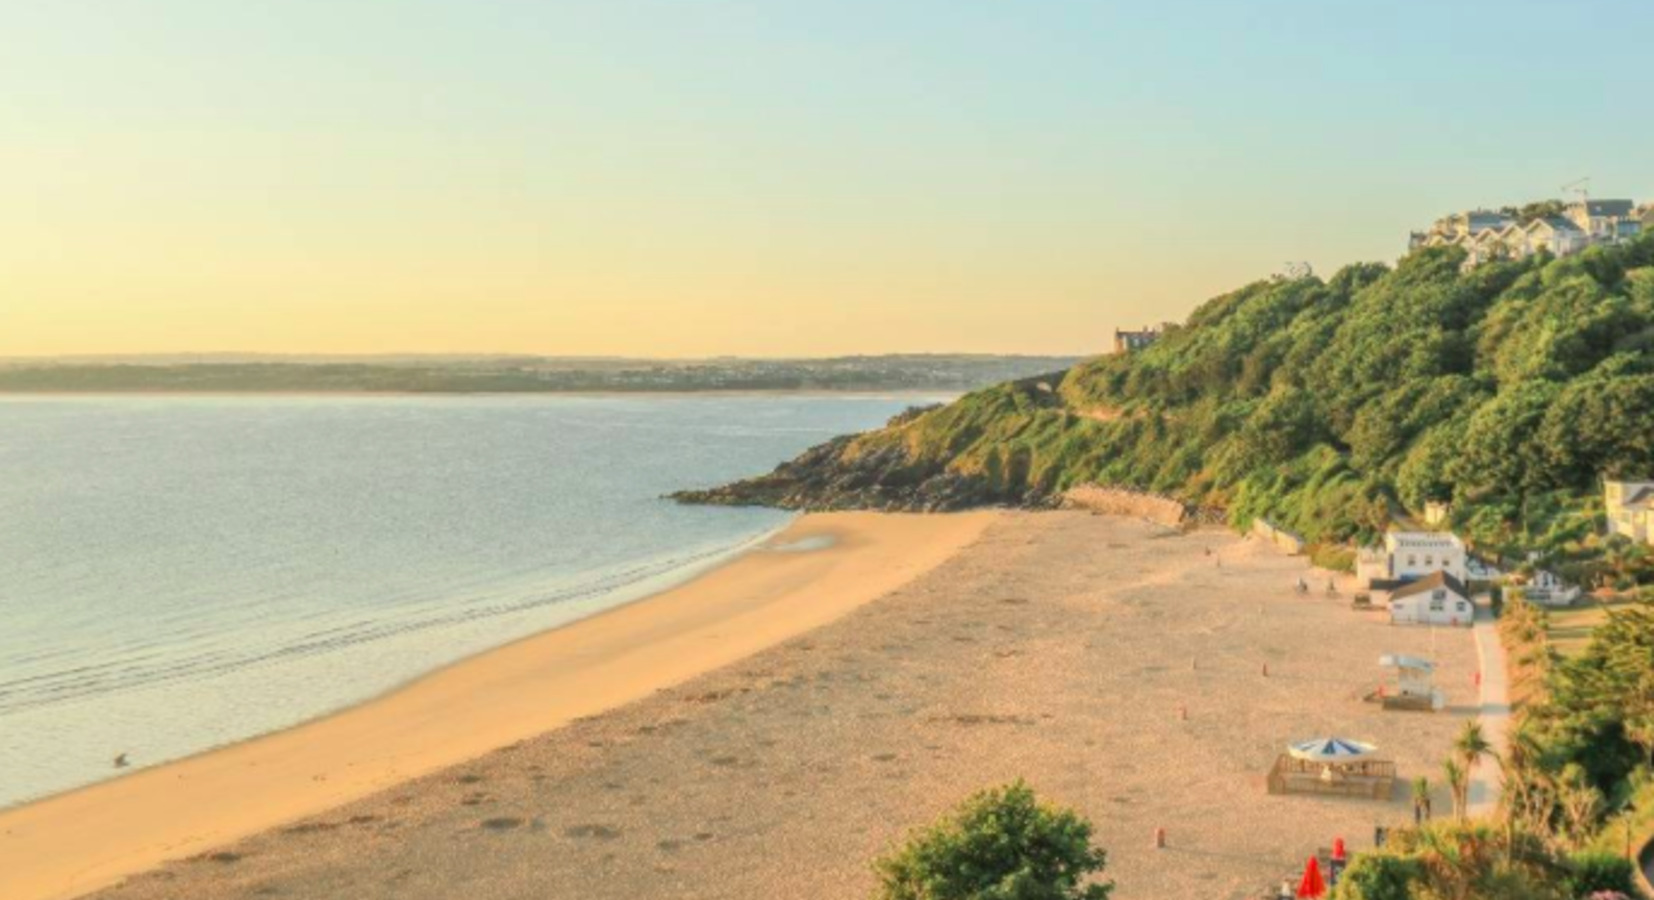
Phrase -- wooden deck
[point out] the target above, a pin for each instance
(1372, 779)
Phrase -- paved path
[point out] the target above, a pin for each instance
(1485, 779)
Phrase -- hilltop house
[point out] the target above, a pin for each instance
(1436, 599)
(1487, 235)
(1409, 556)
(1129, 341)
(1630, 509)
(1606, 220)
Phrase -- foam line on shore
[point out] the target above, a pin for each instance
(73, 843)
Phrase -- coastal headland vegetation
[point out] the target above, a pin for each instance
(1332, 406)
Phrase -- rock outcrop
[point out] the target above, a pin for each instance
(830, 477)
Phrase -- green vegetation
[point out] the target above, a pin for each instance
(1578, 791)
(1477, 861)
(1332, 406)
(1001, 844)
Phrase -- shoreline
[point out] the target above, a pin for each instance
(808, 574)
(580, 606)
(823, 393)
(1066, 649)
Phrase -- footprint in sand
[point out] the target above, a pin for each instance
(503, 823)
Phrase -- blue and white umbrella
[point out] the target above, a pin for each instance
(1329, 750)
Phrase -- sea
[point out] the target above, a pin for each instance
(182, 572)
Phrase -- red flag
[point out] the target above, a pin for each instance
(1312, 886)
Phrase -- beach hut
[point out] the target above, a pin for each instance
(1332, 765)
(1437, 599)
(1409, 683)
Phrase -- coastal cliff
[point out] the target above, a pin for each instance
(1330, 406)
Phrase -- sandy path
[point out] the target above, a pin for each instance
(1059, 647)
(85, 839)
(1486, 780)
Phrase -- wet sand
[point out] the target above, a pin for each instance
(1057, 647)
(816, 571)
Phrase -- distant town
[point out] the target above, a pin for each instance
(910, 372)
(1550, 226)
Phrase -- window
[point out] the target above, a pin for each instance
(1412, 560)
(1438, 601)
(1429, 561)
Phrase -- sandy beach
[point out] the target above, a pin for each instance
(815, 571)
(1057, 647)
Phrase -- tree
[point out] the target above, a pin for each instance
(1000, 844)
(1458, 783)
(1471, 746)
(1421, 799)
(1581, 803)
(1593, 872)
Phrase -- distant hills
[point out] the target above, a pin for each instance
(1330, 406)
(444, 374)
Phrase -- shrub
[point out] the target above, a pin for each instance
(1591, 872)
(1001, 844)
(1379, 876)
(1333, 557)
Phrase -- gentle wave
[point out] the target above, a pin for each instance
(158, 667)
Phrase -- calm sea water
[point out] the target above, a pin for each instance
(182, 572)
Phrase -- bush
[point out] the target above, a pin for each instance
(1001, 844)
(1333, 557)
(1378, 876)
(1596, 871)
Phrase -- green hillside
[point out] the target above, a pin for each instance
(1329, 405)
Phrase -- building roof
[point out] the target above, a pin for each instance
(1422, 540)
(1556, 222)
(1398, 661)
(1429, 583)
(1609, 208)
(1640, 496)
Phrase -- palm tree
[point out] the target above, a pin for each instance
(1458, 782)
(1580, 801)
(1525, 802)
(1421, 799)
(1471, 746)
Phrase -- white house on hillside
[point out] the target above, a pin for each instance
(1411, 555)
(1606, 220)
(1488, 235)
(1630, 509)
(1547, 588)
(1436, 599)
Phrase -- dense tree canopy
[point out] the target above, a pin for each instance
(1001, 844)
(1331, 406)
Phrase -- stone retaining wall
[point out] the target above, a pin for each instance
(1126, 502)
(1280, 537)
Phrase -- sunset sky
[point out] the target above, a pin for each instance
(682, 178)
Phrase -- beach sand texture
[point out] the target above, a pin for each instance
(1057, 647)
(815, 571)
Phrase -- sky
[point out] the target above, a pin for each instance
(780, 178)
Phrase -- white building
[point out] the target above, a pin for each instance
(1488, 235)
(1546, 588)
(1411, 555)
(1606, 220)
(1436, 599)
(1630, 509)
